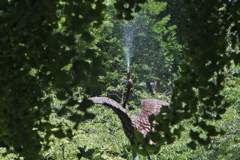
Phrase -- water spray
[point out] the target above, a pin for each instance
(128, 34)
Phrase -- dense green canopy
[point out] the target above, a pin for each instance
(70, 49)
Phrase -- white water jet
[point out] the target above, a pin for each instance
(135, 39)
(128, 32)
(127, 56)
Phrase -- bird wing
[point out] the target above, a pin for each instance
(107, 102)
(120, 111)
(151, 106)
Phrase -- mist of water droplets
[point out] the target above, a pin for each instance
(128, 32)
(131, 30)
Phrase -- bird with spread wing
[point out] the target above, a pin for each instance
(132, 123)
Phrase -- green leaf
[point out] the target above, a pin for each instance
(62, 111)
(192, 145)
(50, 4)
(119, 7)
(76, 117)
(59, 133)
(90, 53)
(61, 95)
(141, 1)
(222, 132)
(35, 16)
(128, 17)
(154, 148)
(221, 110)
(165, 109)
(71, 102)
(62, 78)
(154, 136)
(84, 104)
(139, 136)
(87, 37)
(212, 132)
(138, 8)
(47, 125)
(143, 151)
(178, 131)
(119, 16)
(170, 140)
(151, 118)
(88, 115)
(21, 23)
(70, 134)
(194, 135)
(204, 142)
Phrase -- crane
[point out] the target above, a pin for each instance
(132, 123)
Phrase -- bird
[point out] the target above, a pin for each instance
(132, 123)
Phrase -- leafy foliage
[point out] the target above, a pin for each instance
(201, 78)
(103, 138)
(54, 52)
(47, 49)
(154, 53)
